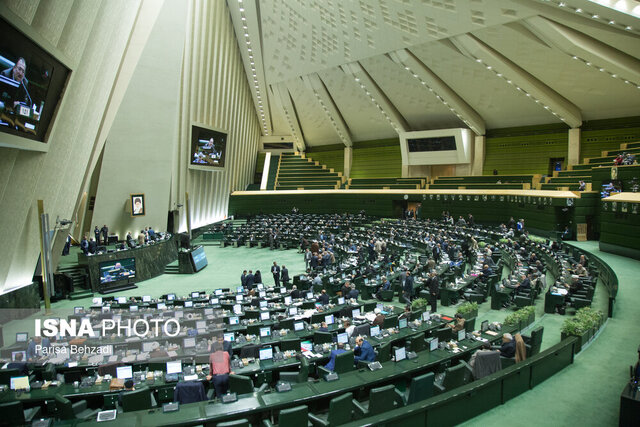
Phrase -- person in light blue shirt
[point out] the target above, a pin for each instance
(366, 353)
(331, 365)
(33, 351)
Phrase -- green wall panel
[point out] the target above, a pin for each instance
(605, 135)
(333, 158)
(519, 154)
(376, 159)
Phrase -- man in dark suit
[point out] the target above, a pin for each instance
(243, 278)
(19, 364)
(508, 348)
(284, 275)
(366, 353)
(408, 287)
(323, 298)
(249, 281)
(84, 245)
(96, 231)
(275, 270)
(436, 252)
(525, 284)
(386, 285)
(105, 234)
(92, 246)
(434, 291)
(353, 292)
(295, 292)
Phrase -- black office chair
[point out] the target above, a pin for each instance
(340, 412)
(240, 384)
(455, 376)
(381, 400)
(421, 388)
(66, 410)
(297, 377)
(14, 414)
(137, 400)
(292, 417)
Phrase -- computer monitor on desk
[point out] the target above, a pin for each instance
(195, 294)
(462, 335)
(426, 316)
(265, 353)
(309, 295)
(121, 300)
(237, 309)
(124, 372)
(375, 331)
(265, 332)
(340, 300)
(234, 320)
(162, 306)
(433, 344)
(188, 304)
(218, 292)
(343, 338)
(355, 312)
(189, 342)
(264, 315)
(229, 336)
(293, 311)
(201, 324)
(174, 367)
(146, 298)
(298, 326)
(263, 304)
(19, 383)
(329, 320)
(171, 297)
(400, 354)
(287, 300)
(22, 337)
(484, 326)
(402, 323)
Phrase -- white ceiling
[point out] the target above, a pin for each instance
(498, 58)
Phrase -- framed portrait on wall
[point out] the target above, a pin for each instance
(137, 205)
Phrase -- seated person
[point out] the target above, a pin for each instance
(346, 287)
(407, 312)
(386, 285)
(323, 327)
(379, 320)
(353, 292)
(525, 284)
(364, 351)
(458, 324)
(19, 364)
(331, 365)
(220, 364)
(348, 327)
(323, 298)
(295, 293)
(34, 349)
(128, 386)
(508, 348)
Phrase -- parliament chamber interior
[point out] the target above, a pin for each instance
(290, 213)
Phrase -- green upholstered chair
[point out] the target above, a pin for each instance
(443, 334)
(14, 414)
(322, 337)
(421, 388)
(384, 352)
(534, 342)
(241, 384)
(165, 394)
(297, 377)
(387, 295)
(416, 342)
(381, 400)
(68, 411)
(390, 322)
(235, 423)
(290, 345)
(110, 401)
(455, 376)
(470, 324)
(344, 363)
(292, 417)
(340, 412)
(137, 400)
(505, 362)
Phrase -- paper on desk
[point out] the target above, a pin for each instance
(113, 358)
(172, 353)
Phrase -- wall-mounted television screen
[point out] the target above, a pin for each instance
(113, 271)
(199, 258)
(31, 85)
(208, 148)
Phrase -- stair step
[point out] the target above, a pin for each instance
(80, 294)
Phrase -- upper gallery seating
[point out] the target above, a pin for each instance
(297, 172)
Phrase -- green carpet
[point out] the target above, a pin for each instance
(586, 393)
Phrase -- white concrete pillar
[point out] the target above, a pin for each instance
(478, 155)
(348, 160)
(573, 150)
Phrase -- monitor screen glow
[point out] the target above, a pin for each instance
(229, 336)
(189, 342)
(329, 319)
(234, 320)
(264, 315)
(287, 300)
(375, 331)
(343, 338)
(265, 332)
(146, 298)
(433, 344)
(22, 336)
(19, 383)
(400, 354)
(340, 300)
(124, 372)
(402, 323)
(174, 367)
(355, 312)
(298, 326)
(266, 353)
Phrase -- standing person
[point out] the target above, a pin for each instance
(105, 234)
(96, 231)
(220, 364)
(84, 245)
(284, 275)
(307, 258)
(275, 270)
(434, 291)
(243, 278)
(67, 246)
(249, 280)
(408, 287)
(257, 277)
